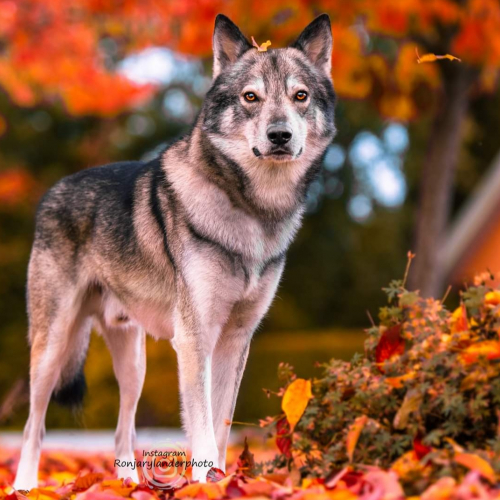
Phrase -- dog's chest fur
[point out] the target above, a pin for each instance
(221, 250)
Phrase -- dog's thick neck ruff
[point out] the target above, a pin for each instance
(272, 192)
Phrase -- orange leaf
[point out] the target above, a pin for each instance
(354, 433)
(398, 382)
(459, 319)
(262, 47)
(295, 400)
(476, 463)
(490, 349)
(433, 57)
(85, 482)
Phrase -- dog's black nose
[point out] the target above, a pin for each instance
(279, 134)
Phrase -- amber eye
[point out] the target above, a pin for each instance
(301, 95)
(250, 97)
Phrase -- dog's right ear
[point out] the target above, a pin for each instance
(229, 44)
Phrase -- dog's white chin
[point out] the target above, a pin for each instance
(278, 158)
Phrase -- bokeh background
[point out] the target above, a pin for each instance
(413, 167)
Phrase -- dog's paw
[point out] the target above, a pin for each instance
(125, 472)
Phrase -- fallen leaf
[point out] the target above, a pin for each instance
(406, 464)
(257, 488)
(433, 57)
(214, 475)
(384, 484)
(85, 482)
(262, 47)
(295, 400)
(443, 489)
(233, 489)
(353, 435)
(210, 490)
(411, 403)
(476, 463)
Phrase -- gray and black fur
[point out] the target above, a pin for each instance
(189, 246)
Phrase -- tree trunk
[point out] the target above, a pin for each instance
(436, 189)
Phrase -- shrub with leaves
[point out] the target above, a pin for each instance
(423, 400)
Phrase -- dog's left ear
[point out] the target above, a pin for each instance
(316, 42)
(229, 44)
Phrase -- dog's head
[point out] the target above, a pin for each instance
(273, 107)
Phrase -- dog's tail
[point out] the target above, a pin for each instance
(71, 386)
(72, 390)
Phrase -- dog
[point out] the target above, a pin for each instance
(188, 247)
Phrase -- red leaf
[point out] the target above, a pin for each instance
(391, 343)
(283, 438)
(214, 475)
(233, 489)
(420, 448)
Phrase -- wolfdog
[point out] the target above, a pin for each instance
(189, 246)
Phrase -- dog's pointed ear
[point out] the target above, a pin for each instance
(316, 42)
(229, 44)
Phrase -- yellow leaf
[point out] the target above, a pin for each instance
(262, 47)
(411, 403)
(433, 57)
(295, 400)
(353, 435)
(492, 298)
(476, 463)
(407, 464)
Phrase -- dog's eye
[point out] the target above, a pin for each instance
(301, 95)
(250, 97)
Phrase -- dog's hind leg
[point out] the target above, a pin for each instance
(57, 334)
(128, 350)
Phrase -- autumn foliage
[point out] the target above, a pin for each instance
(68, 51)
(422, 402)
(415, 416)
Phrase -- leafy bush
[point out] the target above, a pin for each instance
(423, 400)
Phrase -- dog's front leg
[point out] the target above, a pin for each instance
(230, 356)
(194, 347)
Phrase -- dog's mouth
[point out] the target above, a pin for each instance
(279, 154)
